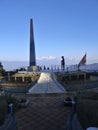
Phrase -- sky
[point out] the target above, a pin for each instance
(61, 27)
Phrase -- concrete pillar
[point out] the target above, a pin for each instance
(23, 79)
(15, 78)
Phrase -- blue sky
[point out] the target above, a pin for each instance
(61, 27)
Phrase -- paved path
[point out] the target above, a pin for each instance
(47, 84)
(44, 112)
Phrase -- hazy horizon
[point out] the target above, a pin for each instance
(41, 61)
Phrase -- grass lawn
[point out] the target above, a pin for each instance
(87, 109)
(3, 109)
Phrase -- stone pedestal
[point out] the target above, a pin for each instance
(33, 68)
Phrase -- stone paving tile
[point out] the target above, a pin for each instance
(45, 112)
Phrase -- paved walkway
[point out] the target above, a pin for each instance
(47, 84)
(45, 112)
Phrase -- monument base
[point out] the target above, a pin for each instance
(33, 68)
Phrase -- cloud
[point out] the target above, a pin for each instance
(52, 60)
(48, 61)
(47, 58)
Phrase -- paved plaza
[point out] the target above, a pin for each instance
(45, 112)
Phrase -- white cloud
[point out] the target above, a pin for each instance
(52, 60)
(47, 58)
(68, 60)
(48, 61)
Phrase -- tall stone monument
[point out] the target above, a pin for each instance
(32, 62)
(32, 46)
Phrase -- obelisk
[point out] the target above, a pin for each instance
(32, 62)
(32, 45)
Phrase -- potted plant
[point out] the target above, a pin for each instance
(68, 101)
(23, 102)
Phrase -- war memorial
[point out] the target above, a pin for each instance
(57, 101)
(32, 62)
(28, 75)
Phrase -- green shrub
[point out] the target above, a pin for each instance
(3, 109)
(88, 95)
(87, 109)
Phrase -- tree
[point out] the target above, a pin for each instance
(2, 71)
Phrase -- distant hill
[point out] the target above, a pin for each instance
(11, 65)
(90, 67)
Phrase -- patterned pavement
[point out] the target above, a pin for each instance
(45, 112)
